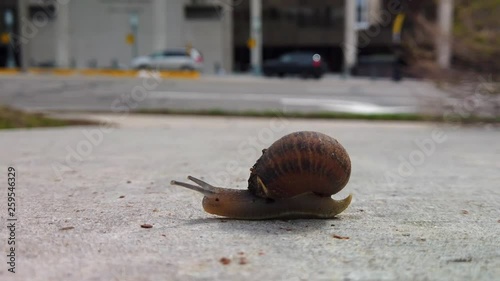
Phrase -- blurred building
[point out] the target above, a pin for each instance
(319, 25)
(97, 33)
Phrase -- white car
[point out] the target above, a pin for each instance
(171, 59)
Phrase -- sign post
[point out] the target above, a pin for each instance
(132, 37)
(398, 48)
(9, 22)
(255, 43)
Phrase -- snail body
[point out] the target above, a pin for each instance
(294, 178)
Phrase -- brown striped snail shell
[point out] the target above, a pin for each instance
(294, 178)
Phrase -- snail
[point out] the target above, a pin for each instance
(294, 178)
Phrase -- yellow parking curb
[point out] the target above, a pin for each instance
(109, 72)
(103, 72)
(54, 71)
(9, 71)
(179, 74)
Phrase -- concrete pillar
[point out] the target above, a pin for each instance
(62, 34)
(227, 38)
(374, 11)
(256, 34)
(22, 13)
(443, 41)
(159, 25)
(350, 45)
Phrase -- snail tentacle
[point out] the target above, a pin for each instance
(203, 184)
(202, 187)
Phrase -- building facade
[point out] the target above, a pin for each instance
(97, 33)
(313, 25)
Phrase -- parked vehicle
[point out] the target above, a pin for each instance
(305, 64)
(171, 59)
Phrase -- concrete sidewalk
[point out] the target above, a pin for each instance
(426, 203)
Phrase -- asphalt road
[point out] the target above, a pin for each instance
(426, 203)
(235, 93)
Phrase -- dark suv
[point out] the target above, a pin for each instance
(305, 64)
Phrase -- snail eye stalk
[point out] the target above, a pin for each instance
(202, 187)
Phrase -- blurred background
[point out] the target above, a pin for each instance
(451, 44)
(227, 34)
